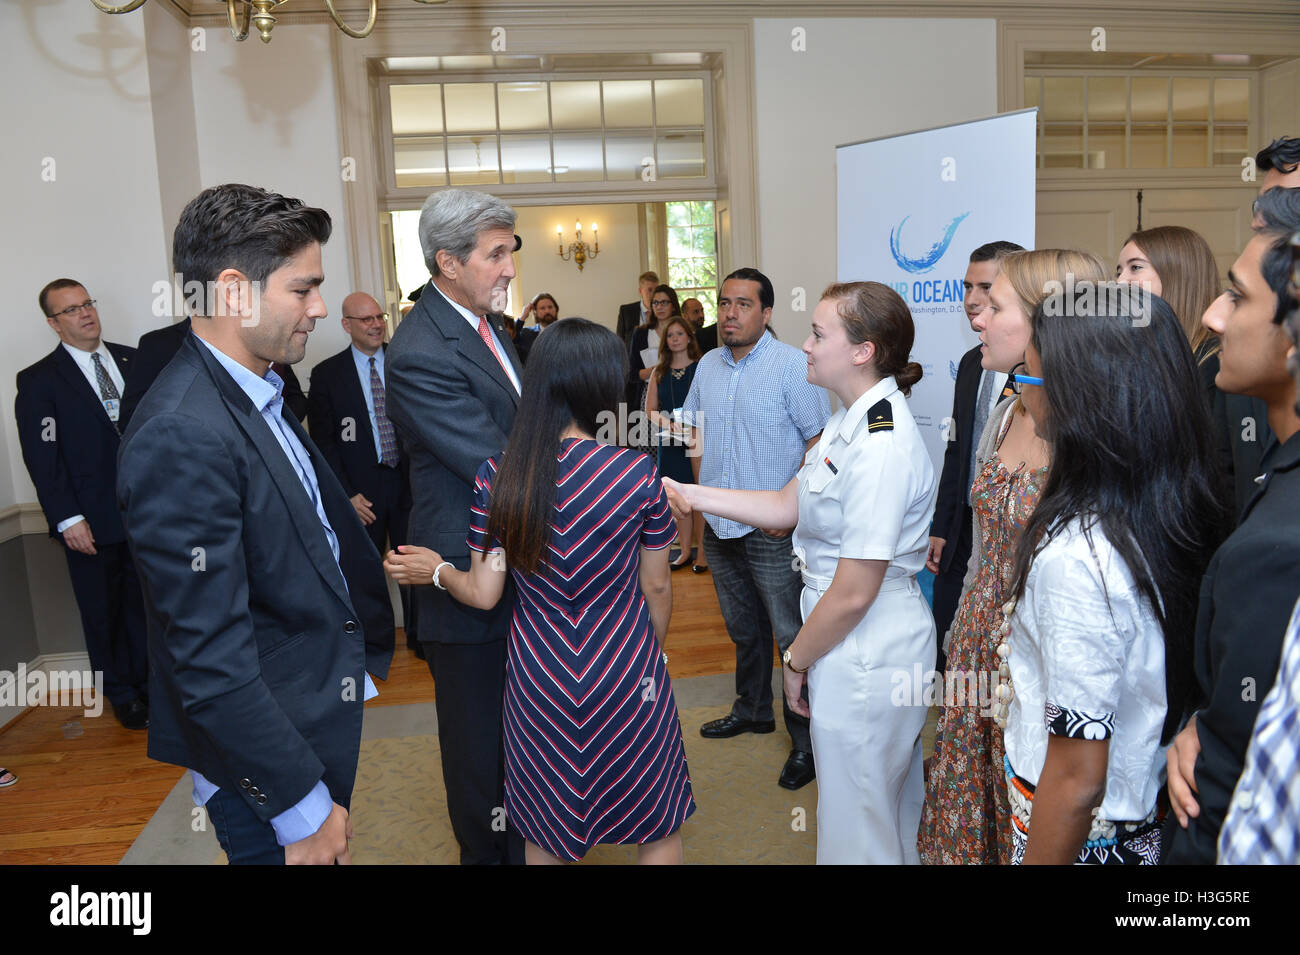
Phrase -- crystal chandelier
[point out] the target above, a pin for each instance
(242, 13)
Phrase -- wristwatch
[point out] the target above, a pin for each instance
(785, 658)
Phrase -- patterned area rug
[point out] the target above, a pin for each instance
(399, 809)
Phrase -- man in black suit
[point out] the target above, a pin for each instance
(255, 566)
(453, 387)
(1253, 580)
(546, 310)
(156, 348)
(974, 395)
(693, 312)
(348, 420)
(68, 409)
(637, 313)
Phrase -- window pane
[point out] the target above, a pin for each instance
(1147, 146)
(679, 241)
(1150, 99)
(470, 106)
(679, 102)
(416, 109)
(523, 105)
(702, 241)
(1032, 85)
(626, 152)
(1105, 145)
(1191, 147)
(526, 158)
(1063, 98)
(679, 213)
(1230, 145)
(419, 162)
(1231, 101)
(575, 105)
(701, 213)
(1107, 98)
(578, 157)
(1191, 99)
(681, 155)
(473, 160)
(627, 103)
(1063, 147)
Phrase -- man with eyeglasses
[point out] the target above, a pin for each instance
(347, 418)
(68, 410)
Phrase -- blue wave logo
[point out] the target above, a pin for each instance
(952, 369)
(931, 258)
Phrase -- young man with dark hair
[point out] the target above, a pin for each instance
(975, 393)
(1253, 580)
(1279, 161)
(69, 425)
(256, 568)
(756, 415)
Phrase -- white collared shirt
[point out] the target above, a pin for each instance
(473, 323)
(866, 494)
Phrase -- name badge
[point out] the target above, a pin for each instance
(112, 406)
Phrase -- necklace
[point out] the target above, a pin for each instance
(678, 373)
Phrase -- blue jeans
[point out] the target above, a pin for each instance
(758, 593)
(246, 839)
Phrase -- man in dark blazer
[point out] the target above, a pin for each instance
(1253, 581)
(156, 348)
(705, 336)
(637, 313)
(348, 420)
(68, 410)
(546, 310)
(255, 566)
(950, 533)
(453, 387)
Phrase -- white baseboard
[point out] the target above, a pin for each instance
(45, 663)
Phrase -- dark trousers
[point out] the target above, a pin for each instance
(470, 685)
(758, 592)
(245, 839)
(947, 584)
(391, 503)
(112, 618)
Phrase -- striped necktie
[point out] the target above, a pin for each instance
(387, 440)
(107, 390)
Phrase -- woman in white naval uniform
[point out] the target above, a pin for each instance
(863, 501)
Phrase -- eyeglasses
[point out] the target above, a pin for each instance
(1015, 379)
(661, 301)
(366, 319)
(74, 309)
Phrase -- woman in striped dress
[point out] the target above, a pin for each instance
(593, 744)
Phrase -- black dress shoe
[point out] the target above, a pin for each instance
(729, 726)
(133, 715)
(798, 771)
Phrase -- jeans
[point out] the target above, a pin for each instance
(246, 839)
(758, 592)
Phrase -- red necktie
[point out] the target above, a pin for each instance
(485, 333)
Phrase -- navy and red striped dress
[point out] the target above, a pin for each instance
(593, 745)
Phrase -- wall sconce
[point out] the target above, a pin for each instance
(578, 250)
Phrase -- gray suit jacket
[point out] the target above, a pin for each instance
(453, 407)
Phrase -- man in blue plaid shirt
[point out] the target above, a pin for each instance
(756, 416)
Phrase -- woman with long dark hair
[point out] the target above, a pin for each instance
(666, 391)
(645, 338)
(1097, 650)
(593, 744)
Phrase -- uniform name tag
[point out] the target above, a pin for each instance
(834, 469)
(111, 408)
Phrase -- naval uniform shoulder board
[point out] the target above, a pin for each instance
(880, 416)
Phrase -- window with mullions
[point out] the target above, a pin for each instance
(547, 131)
(1140, 121)
(693, 254)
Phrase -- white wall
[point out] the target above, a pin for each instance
(857, 79)
(266, 116)
(604, 283)
(84, 102)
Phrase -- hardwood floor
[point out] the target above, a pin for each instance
(85, 787)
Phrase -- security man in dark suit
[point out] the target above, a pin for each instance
(453, 387)
(348, 420)
(256, 569)
(68, 410)
(1253, 580)
(974, 395)
(156, 348)
(705, 336)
